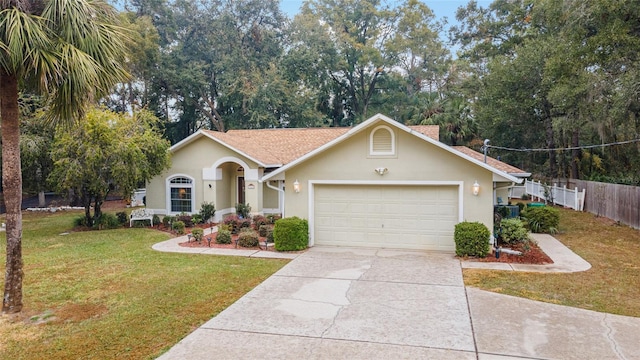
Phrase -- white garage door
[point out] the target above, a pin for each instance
(386, 216)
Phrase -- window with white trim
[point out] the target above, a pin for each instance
(181, 194)
(382, 141)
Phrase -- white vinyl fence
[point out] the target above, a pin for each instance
(571, 198)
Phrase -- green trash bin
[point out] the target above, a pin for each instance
(536, 204)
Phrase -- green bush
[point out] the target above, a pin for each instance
(258, 221)
(207, 211)
(248, 238)
(186, 219)
(525, 197)
(178, 227)
(243, 211)
(544, 219)
(122, 216)
(291, 234)
(166, 220)
(197, 234)
(244, 223)
(197, 219)
(472, 239)
(223, 236)
(156, 220)
(513, 231)
(269, 236)
(263, 229)
(107, 221)
(233, 221)
(80, 221)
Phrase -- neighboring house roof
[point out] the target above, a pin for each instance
(416, 132)
(277, 147)
(509, 169)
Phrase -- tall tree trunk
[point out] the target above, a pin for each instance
(12, 186)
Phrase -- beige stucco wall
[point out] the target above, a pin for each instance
(415, 160)
(190, 160)
(270, 197)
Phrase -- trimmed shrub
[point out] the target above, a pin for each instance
(233, 221)
(244, 223)
(186, 219)
(269, 237)
(178, 227)
(207, 211)
(197, 234)
(258, 221)
(543, 219)
(166, 220)
(223, 236)
(291, 234)
(243, 210)
(262, 231)
(197, 219)
(472, 239)
(513, 231)
(107, 221)
(122, 216)
(248, 238)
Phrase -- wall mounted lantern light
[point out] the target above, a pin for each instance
(296, 186)
(381, 170)
(476, 188)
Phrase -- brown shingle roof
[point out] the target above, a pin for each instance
(283, 145)
(509, 169)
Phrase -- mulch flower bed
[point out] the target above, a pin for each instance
(531, 255)
(205, 244)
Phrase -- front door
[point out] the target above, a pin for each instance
(241, 190)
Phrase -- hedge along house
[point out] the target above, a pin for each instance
(378, 184)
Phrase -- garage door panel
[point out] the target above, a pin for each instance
(410, 217)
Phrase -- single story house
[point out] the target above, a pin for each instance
(377, 184)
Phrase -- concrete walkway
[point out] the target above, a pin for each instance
(346, 303)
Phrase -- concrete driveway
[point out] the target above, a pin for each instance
(344, 303)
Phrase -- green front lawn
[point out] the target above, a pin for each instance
(611, 285)
(107, 294)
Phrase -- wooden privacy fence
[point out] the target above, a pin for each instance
(558, 195)
(614, 201)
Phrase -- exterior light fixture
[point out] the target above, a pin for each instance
(296, 186)
(381, 170)
(476, 188)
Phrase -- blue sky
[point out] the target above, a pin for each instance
(441, 8)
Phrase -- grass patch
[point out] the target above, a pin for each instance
(610, 286)
(107, 294)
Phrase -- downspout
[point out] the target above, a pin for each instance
(281, 191)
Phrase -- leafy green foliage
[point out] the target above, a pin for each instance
(243, 211)
(223, 236)
(186, 219)
(248, 238)
(197, 234)
(167, 220)
(544, 219)
(472, 239)
(258, 221)
(264, 229)
(105, 152)
(207, 211)
(291, 234)
(513, 231)
(178, 227)
(122, 216)
(107, 221)
(233, 222)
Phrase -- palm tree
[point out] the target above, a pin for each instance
(68, 50)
